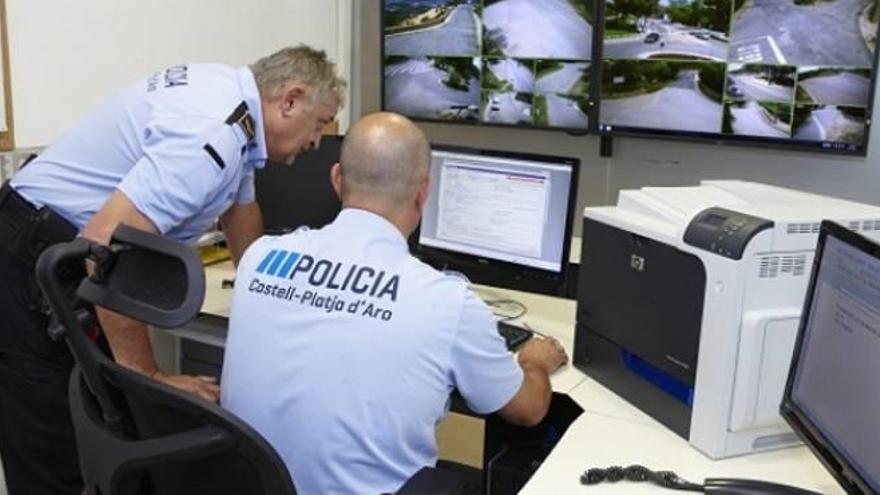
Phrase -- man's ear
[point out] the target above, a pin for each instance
(292, 96)
(336, 179)
(422, 196)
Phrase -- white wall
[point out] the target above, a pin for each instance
(636, 162)
(66, 56)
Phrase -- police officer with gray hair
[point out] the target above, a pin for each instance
(170, 155)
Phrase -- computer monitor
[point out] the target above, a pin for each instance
(291, 196)
(832, 398)
(500, 218)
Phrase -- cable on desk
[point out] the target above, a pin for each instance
(501, 303)
(613, 474)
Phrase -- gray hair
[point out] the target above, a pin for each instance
(303, 65)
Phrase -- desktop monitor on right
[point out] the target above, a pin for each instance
(832, 398)
(500, 218)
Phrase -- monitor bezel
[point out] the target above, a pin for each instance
(575, 131)
(505, 274)
(812, 436)
(305, 167)
(598, 128)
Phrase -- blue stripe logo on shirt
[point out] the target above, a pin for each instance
(278, 263)
(329, 274)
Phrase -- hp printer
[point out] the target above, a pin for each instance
(689, 300)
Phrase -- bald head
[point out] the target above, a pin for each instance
(384, 162)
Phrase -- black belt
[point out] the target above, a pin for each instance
(14, 209)
(25, 231)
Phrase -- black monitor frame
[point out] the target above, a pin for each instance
(574, 131)
(308, 181)
(489, 271)
(597, 127)
(834, 462)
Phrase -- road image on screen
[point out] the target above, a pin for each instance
(791, 72)
(499, 62)
(509, 210)
(663, 64)
(837, 376)
(662, 94)
(758, 100)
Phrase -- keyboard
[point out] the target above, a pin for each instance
(514, 336)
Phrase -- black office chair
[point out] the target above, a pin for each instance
(137, 436)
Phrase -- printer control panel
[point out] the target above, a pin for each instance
(724, 232)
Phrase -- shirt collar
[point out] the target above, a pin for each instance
(358, 220)
(256, 152)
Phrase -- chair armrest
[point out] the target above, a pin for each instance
(198, 443)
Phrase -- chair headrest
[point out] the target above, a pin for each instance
(148, 278)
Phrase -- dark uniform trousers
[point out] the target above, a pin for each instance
(37, 442)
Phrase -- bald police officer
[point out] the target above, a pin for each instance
(169, 155)
(343, 348)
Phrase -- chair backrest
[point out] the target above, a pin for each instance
(171, 443)
(137, 436)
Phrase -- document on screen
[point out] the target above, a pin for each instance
(841, 359)
(493, 207)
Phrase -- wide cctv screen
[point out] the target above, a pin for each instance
(796, 73)
(491, 62)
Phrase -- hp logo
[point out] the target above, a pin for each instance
(637, 263)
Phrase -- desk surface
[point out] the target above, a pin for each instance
(596, 440)
(611, 431)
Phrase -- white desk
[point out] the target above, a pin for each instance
(218, 299)
(611, 431)
(596, 440)
(551, 316)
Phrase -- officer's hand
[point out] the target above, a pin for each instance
(204, 386)
(545, 353)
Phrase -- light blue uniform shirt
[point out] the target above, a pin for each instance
(343, 350)
(150, 143)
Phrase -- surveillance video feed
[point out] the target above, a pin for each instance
(662, 94)
(443, 88)
(790, 71)
(499, 62)
(829, 123)
(834, 86)
(804, 32)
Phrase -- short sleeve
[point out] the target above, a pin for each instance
(183, 167)
(484, 371)
(246, 190)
